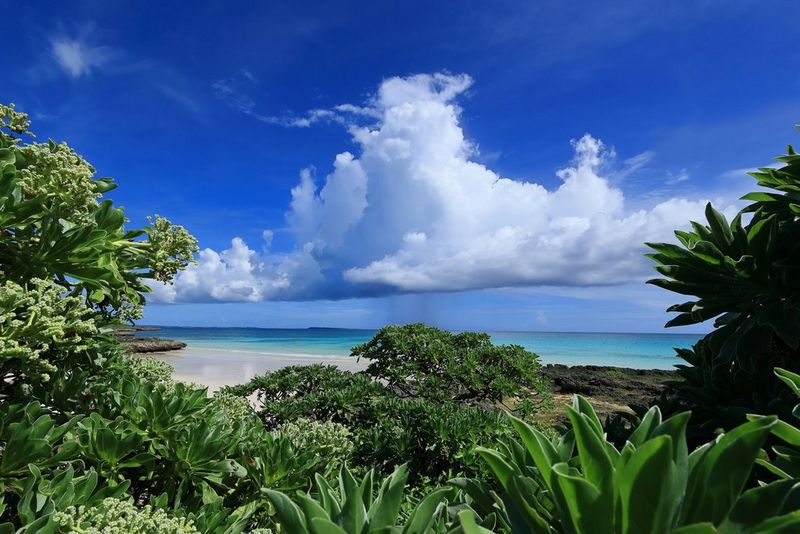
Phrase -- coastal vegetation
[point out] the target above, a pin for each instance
(441, 433)
(746, 276)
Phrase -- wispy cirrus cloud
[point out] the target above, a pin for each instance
(229, 91)
(77, 57)
(79, 54)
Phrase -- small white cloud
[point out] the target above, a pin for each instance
(77, 58)
(249, 75)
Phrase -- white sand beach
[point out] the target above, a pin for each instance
(219, 367)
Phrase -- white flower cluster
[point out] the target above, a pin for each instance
(61, 178)
(332, 441)
(115, 516)
(40, 325)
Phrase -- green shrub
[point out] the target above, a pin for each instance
(318, 392)
(42, 497)
(435, 439)
(418, 360)
(581, 483)
(747, 276)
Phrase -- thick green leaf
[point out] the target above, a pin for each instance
(757, 505)
(321, 525)
(647, 485)
(466, 519)
(425, 512)
(586, 508)
(386, 508)
(595, 462)
(718, 477)
(290, 515)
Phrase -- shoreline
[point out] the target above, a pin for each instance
(206, 367)
(609, 388)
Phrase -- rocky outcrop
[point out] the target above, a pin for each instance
(609, 389)
(622, 385)
(152, 344)
(137, 344)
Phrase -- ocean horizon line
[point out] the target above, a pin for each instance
(346, 329)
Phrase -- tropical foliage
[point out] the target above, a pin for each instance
(355, 507)
(581, 483)
(86, 431)
(746, 274)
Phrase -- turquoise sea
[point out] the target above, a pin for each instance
(640, 351)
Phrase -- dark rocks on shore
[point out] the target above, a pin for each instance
(610, 389)
(136, 344)
(152, 344)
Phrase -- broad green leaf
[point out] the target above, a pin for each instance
(541, 450)
(586, 509)
(424, 513)
(757, 505)
(321, 525)
(498, 465)
(386, 508)
(720, 474)
(696, 528)
(466, 519)
(790, 379)
(646, 485)
(595, 462)
(291, 517)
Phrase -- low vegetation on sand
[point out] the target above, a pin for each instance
(441, 433)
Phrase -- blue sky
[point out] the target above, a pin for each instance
(486, 165)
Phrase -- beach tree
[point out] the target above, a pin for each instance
(418, 360)
(745, 276)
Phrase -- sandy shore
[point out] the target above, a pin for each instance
(219, 367)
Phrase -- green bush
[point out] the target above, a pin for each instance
(747, 276)
(435, 439)
(149, 368)
(318, 392)
(48, 195)
(422, 361)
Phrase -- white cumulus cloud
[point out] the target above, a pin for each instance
(412, 211)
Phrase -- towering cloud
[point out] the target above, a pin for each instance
(413, 211)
